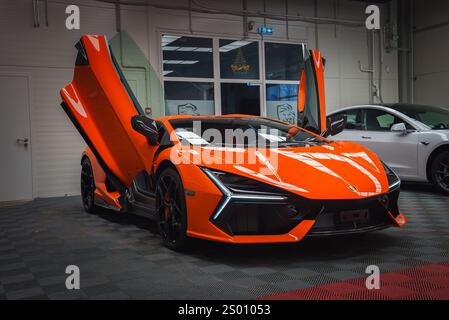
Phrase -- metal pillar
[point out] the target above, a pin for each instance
(405, 51)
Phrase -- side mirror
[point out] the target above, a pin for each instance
(399, 128)
(335, 125)
(146, 127)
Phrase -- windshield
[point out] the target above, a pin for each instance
(241, 132)
(433, 117)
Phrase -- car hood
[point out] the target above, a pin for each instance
(338, 170)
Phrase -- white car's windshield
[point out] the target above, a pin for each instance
(241, 132)
(433, 117)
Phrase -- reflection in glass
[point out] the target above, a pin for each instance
(239, 59)
(142, 78)
(195, 98)
(187, 56)
(435, 118)
(311, 116)
(282, 102)
(283, 61)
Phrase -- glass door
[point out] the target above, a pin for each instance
(241, 98)
(211, 75)
(240, 77)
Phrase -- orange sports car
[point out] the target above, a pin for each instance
(229, 178)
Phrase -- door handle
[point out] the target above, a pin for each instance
(24, 142)
(366, 137)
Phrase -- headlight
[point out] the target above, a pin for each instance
(393, 180)
(241, 185)
(239, 188)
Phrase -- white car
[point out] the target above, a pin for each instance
(413, 140)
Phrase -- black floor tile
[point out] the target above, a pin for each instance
(121, 257)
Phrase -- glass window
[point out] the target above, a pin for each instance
(195, 98)
(257, 131)
(353, 119)
(283, 61)
(434, 117)
(378, 120)
(239, 59)
(187, 57)
(164, 137)
(282, 102)
(312, 110)
(240, 98)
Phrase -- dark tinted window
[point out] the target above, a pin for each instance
(240, 98)
(283, 61)
(353, 119)
(434, 117)
(187, 56)
(312, 109)
(164, 137)
(239, 59)
(379, 120)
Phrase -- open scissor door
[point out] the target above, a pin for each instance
(311, 98)
(100, 105)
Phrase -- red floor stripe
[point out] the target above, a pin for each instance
(429, 281)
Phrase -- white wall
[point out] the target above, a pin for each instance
(47, 55)
(431, 52)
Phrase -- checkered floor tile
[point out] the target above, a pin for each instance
(120, 256)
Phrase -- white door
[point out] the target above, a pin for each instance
(354, 130)
(371, 128)
(15, 163)
(399, 151)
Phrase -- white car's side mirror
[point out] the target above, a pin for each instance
(399, 128)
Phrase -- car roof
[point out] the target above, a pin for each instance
(393, 106)
(362, 106)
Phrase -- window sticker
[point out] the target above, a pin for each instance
(191, 137)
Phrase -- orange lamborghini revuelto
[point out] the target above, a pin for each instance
(230, 178)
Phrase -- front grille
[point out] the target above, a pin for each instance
(346, 218)
(242, 218)
(340, 216)
(356, 215)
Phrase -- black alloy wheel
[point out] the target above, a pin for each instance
(87, 186)
(171, 210)
(440, 172)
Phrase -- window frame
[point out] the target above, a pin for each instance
(217, 80)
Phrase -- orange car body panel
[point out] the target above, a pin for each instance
(359, 167)
(321, 172)
(104, 115)
(302, 92)
(100, 106)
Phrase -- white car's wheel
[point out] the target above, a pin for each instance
(440, 171)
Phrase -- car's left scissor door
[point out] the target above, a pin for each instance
(100, 104)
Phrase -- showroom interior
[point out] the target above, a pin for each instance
(187, 57)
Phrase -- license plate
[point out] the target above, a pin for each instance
(354, 216)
